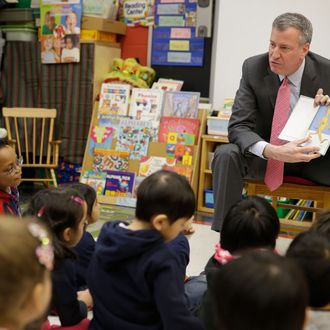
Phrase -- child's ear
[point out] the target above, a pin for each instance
(159, 221)
(67, 233)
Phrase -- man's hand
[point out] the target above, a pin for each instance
(321, 99)
(292, 152)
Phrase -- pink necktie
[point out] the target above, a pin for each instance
(275, 168)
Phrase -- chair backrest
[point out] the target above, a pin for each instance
(31, 130)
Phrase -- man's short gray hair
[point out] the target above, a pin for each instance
(295, 20)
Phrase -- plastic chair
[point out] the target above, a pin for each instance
(30, 132)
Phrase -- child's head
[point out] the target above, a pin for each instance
(48, 42)
(26, 258)
(64, 211)
(49, 20)
(70, 41)
(166, 200)
(322, 223)
(89, 194)
(311, 250)
(71, 20)
(260, 291)
(10, 166)
(251, 223)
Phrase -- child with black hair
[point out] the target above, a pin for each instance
(64, 211)
(260, 291)
(321, 224)
(86, 246)
(252, 223)
(311, 250)
(10, 177)
(135, 278)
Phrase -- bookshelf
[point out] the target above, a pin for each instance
(155, 149)
(209, 143)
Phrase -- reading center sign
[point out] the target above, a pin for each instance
(137, 12)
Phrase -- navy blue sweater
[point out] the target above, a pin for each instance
(136, 281)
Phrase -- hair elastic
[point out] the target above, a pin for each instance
(222, 255)
(44, 251)
(41, 212)
(77, 199)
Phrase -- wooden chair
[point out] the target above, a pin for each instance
(30, 132)
(319, 194)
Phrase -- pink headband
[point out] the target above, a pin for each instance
(77, 199)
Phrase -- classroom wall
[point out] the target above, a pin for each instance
(242, 29)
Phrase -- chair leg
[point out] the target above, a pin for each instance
(52, 172)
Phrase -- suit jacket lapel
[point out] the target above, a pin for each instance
(272, 83)
(308, 79)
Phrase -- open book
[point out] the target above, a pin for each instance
(307, 120)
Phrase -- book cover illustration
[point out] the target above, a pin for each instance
(109, 121)
(152, 164)
(107, 159)
(175, 130)
(94, 179)
(182, 170)
(100, 138)
(181, 104)
(134, 136)
(146, 104)
(168, 84)
(319, 130)
(114, 99)
(307, 120)
(119, 184)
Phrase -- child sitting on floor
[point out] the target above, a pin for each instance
(85, 248)
(10, 177)
(135, 278)
(26, 259)
(64, 211)
(260, 291)
(252, 223)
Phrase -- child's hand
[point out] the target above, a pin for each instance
(188, 227)
(86, 297)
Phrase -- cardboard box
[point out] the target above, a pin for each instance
(101, 24)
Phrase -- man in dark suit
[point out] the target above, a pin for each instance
(251, 122)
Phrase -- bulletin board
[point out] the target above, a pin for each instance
(173, 38)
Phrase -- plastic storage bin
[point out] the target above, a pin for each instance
(208, 198)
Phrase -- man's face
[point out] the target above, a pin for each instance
(286, 53)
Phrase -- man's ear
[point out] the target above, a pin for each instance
(66, 235)
(159, 221)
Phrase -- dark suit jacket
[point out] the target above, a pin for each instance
(254, 104)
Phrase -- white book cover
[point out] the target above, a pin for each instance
(146, 104)
(307, 120)
(114, 99)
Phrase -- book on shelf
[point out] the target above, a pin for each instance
(181, 104)
(133, 136)
(114, 99)
(152, 164)
(146, 104)
(185, 171)
(307, 120)
(119, 184)
(100, 138)
(168, 84)
(109, 159)
(95, 180)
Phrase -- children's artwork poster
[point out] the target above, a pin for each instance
(173, 38)
(60, 31)
(136, 12)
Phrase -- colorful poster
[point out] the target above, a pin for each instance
(119, 184)
(60, 31)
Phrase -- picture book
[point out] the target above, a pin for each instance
(307, 120)
(109, 121)
(182, 170)
(107, 159)
(119, 184)
(149, 165)
(94, 179)
(168, 84)
(133, 136)
(114, 99)
(173, 130)
(146, 104)
(100, 138)
(181, 104)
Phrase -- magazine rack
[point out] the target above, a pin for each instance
(155, 149)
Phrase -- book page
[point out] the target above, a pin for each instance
(300, 119)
